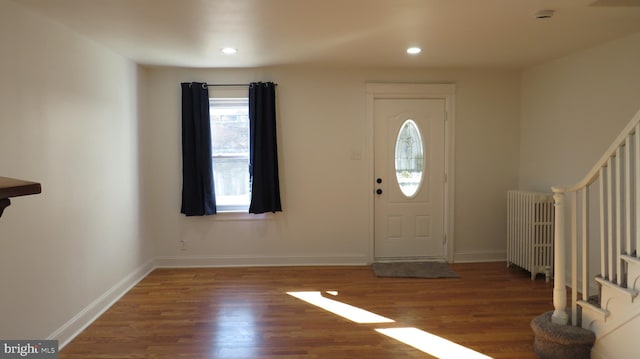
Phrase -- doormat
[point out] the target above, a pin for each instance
(414, 270)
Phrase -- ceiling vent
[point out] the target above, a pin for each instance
(543, 14)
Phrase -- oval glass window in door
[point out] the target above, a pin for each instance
(409, 159)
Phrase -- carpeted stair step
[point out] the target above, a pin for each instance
(555, 341)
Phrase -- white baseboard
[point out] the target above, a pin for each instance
(479, 256)
(74, 326)
(260, 261)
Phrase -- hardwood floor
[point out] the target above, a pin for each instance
(247, 313)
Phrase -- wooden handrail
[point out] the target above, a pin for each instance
(11, 187)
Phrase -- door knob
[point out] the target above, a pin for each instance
(379, 191)
(379, 180)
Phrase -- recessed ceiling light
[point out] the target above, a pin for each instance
(414, 50)
(228, 50)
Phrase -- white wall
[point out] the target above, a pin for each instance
(68, 119)
(325, 193)
(573, 108)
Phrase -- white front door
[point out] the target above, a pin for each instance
(409, 175)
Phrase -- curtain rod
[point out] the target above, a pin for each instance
(231, 85)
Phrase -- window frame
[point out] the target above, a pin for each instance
(230, 94)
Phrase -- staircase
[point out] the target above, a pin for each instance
(602, 238)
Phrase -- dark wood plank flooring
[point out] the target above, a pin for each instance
(246, 313)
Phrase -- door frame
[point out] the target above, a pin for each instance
(444, 91)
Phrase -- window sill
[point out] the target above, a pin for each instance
(240, 216)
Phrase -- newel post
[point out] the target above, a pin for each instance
(559, 315)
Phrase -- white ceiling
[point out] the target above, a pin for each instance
(452, 33)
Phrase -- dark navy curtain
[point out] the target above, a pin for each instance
(263, 158)
(198, 197)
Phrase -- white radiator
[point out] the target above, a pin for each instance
(530, 231)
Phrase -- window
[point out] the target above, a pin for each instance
(230, 153)
(409, 159)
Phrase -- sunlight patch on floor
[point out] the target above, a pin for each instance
(431, 344)
(426, 342)
(347, 311)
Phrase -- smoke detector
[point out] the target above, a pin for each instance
(544, 14)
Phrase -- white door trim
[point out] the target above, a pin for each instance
(417, 91)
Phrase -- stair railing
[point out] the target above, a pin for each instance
(612, 188)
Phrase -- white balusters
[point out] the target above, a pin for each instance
(609, 239)
(559, 315)
(636, 151)
(618, 200)
(603, 248)
(585, 244)
(618, 218)
(628, 197)
(574, 259)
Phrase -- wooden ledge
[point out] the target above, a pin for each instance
(10, 187)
